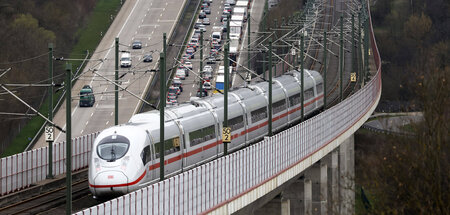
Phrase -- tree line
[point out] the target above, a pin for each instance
(410, 174)
(27, 27)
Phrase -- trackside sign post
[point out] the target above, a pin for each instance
(226, 135)
(49, 133)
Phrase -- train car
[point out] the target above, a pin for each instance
(126, 157)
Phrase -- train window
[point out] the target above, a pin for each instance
(145, 155)
(113, 147)
(259, 114)
(170, 146)
(309, 94)
(279, 106)
(202, 135)
(294, 99)
(236, 123)
(320, 88)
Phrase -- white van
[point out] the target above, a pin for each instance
(217, 36)
(125, 59)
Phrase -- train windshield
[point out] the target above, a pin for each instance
(113, 147)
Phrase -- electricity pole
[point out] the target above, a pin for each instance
(162, 102)
(50, 109)
(116, 89)
(68, 139)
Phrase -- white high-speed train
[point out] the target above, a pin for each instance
(126, 157)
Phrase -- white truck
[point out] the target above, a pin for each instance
(240, 11)
(234, 51)
(235, 29)
(125, 59)
(243, 3)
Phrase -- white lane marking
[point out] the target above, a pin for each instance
(167, 3)
(87, 122)
(76, 107)
(81, 132)
(96, 105)
(107, 122)
(101, 97)
(190, 94)
(92, 114)
(161, 14)
(153, 31)
(164, 9)
(112, 113)
(105, 89)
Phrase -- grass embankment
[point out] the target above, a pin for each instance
(88, 39)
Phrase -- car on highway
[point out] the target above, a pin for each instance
(207, 85)
(174, 91)
(224, 15)
(190, 52)
(201, 27)
(204, 5)
(181, 74)
(207, 68)
(227, 9)
(197, 23)
(171, 97)
(205, 93)
(148, 58)
(224, 27)
(211, 59)
(125, 59)
(207, 10)
(216, 45)
(137, 44)
(176, 82)
(206, 21)
(87, 98)
(187, 65)
(231, 2)
(201, 15)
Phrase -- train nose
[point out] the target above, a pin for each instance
(110, 183)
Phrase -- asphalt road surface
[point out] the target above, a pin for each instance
(137, 20)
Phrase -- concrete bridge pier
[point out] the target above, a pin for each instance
(346, 176)
(326, 187)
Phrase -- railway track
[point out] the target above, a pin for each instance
(48, 201)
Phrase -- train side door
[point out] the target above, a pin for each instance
(148, 158)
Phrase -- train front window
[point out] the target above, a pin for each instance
(113, 147)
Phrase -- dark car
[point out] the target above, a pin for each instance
(137, 44)
(148, 58)
(205, 93)
(87, 98)
(205, 5)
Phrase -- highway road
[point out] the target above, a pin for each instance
(190, 85)
(137, 20)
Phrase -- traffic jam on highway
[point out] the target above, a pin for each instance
(212, 21)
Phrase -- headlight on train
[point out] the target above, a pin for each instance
(97, 164)
(125, 162)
